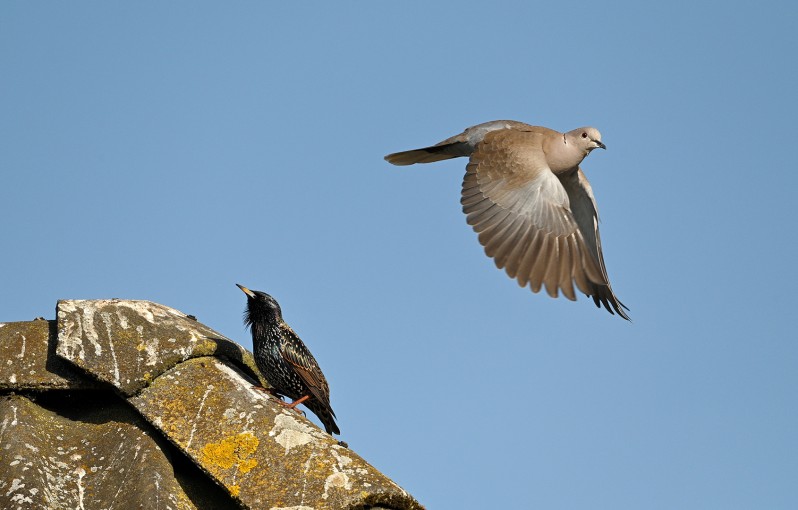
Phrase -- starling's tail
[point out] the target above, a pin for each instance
(325, 414)
(429, 154)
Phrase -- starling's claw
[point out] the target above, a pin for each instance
(292, 405)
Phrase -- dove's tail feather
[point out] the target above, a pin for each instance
(429, 154)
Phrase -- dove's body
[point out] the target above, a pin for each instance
(532, 206)
(284, 360)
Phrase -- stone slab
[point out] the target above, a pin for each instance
(101, 458)
(265, 455)
(28, 361)
(128, 343)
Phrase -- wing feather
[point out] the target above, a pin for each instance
(540, 227)
(585, 213)
(305, 366)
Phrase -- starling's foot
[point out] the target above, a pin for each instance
(270, 391)
(280, 401)
(291, 405)
(295, 403)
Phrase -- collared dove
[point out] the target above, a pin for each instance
(531, 204)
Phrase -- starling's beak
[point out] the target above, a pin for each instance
(246, 290)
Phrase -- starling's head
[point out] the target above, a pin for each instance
(261, 307)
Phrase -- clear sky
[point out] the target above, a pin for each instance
(168, 150)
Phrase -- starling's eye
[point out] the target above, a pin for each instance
(584, 135)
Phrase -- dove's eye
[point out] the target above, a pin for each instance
(584, 135)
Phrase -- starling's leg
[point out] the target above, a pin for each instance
(279, 398)
(296, 402)
(285, 404)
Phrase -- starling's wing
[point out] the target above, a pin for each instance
(304, 364)
(583, 207)
(523, 215)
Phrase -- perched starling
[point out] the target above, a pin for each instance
(531, 204)
(284, 360)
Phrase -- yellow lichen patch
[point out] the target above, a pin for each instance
(233, 450)
(246, 465)
(235, 490)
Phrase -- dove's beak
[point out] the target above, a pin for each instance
(601, 145)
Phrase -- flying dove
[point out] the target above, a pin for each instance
(531, 204)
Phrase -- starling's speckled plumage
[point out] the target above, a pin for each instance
(283, 358)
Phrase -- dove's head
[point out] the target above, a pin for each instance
(586, 138)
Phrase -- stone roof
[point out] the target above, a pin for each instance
(131, 404)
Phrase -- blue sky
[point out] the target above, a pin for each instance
(166, 151)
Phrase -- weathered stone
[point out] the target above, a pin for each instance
(129, 343)
(28, 361)
(62, 453)
(69, 437)
(263, 454)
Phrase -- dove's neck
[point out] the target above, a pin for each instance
(564, 155)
